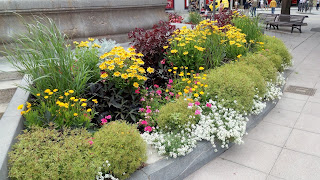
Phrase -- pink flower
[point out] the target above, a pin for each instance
(167, 97)
(195, 82)
(170, 81)
(137, 91)
(103, 121)
(163, 61)
(141, 109)
(171, 93)
(148, 107)
(159, 92)
(197, 103)
(144, 122)
(197, 112)
(108, 117)
(142, 99)
(90, 142)
(169, 86)
(156, 86)
(190, 104)
(148, 128)
(209, 105)
(157, 110)
(148, 111)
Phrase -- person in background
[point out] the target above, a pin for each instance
(221, 6)
(236, 3)
(273, 5)
(246, 8)
(261, 4)
(254, 8)
(317, 5)
(266, 5)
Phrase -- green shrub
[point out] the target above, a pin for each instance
(275, 58)
(50, 154)
(263, 64)
(194, 17)
(254, 74)
(276, 46)
(121, 145)
(175, 115)
(233, 88)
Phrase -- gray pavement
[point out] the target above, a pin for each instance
(286, 144)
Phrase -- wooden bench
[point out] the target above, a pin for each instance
(266, 19)
(294, 21)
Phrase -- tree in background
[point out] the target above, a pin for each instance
(285, 7)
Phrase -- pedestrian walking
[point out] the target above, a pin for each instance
(254, 8)
(273, 5)
(236, 3)
(317, 5)
(246, 7)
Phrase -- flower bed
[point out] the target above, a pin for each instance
(175, 87)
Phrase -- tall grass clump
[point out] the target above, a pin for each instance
(248, 26)
(43, 55)
(194, 17)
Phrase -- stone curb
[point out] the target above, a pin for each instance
(182, 167)
(11, 124)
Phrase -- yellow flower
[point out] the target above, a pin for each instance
(186, 91)
(46, 97)
(55, 90)
(84, 104)
(76, 100)
(91, 39)
(117, 74)
(75, 42)
(124, 76)
(186, 67)
(239, 56)
(174, 51)
(169, 70)
(180, 93)
(136, 85)
(72, 98)
(111, 67)
(150, 70)
(95, 101)
(50, 93)
(165, 47)
(185, 53)
(60, 97)
(83, 100)
(196, 95)
(89, 110)
(75, 114)
(201, 92)
(131, 49)
(232, 42)
(201, 68)
(20, 107)
(71, 91)
(104, 75)
(206, 85)
(174, 72)
(38, 94)
(66, 94)
(47, 90)
(140, 54)
(23, 112)
(175, 68)
(189, 82)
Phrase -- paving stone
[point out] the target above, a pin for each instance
(294, 165)
(312, 108)
(309, 123)
(282, 117)
(291, 104)
(223, 169)
(295, 96)
(253, 154)
(304, 141)
(273, 178)
(270, 133)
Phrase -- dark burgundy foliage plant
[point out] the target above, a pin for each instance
(150, 43)
(223, 18)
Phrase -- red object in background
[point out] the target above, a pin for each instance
(186, 4)
(170, 4)
(295, 2)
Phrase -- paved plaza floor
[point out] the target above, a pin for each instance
(286, 144)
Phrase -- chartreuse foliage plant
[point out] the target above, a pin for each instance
(65, 110)
(47, 153)
(278, 47)
(43, 54)
(121, 145)
(176, 115)
(249, 26)
(234, 89)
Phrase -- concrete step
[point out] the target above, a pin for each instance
(11, 75)
(3, 108)
(7, 90)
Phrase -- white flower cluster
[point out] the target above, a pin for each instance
(258, 105)
(273, 92)
(100, 175)
(281, 80)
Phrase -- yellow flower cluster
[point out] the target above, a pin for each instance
(87, 43)
(234, 36)
(127, 65)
